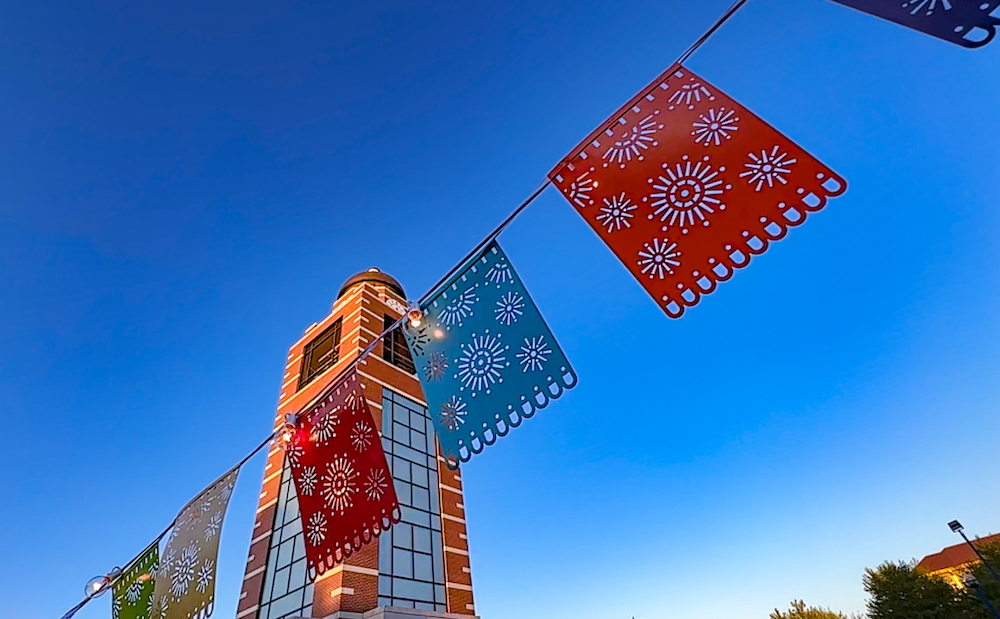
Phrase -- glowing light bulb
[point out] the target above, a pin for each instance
(415, 315)
(288, 429)
(438, 333)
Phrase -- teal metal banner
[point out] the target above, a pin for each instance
(485, 356)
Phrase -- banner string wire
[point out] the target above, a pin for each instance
(345, 372)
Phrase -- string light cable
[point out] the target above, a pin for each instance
(284, 432)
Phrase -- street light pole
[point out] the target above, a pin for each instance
(957, 527)
(973, 583)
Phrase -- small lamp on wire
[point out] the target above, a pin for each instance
(287, 431)
(415, 315)
(99, 585)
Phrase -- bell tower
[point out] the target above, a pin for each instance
(422, 563)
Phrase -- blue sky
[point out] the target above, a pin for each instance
(183, 189)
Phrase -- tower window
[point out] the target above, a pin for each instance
(320, 354)
(394, 348)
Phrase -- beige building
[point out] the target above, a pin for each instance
(952, 562)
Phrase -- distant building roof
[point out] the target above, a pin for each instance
(954, 556)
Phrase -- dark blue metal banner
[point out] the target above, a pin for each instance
(964, 22)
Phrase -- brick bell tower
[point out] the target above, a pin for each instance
(422, 563)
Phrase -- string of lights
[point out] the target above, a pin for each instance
(283, 433)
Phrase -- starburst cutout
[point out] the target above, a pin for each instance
(534, 353)
(339, 485)
(509, 308)
(579, 190)
(769, 168)
(687, 192)
(715, 126)
(658, 258)
(325, 427)
(632, 142)
(481, 361)
(459, 308)
(361, 436)
(689, 94)
(316, 528)
(616, 212)
(308, 480)
(206, 573)
(452, 413)
(928, 6)
(437, 365)
(375, 485)
(500, 273)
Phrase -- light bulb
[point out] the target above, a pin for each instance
(288, 429)
(415, 315)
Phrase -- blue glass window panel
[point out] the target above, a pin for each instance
(285, 553)
(384, 585)
(385, 551)
(297, 578)
(403, 492)
(403, 536)
(414, 516)
(409, 454)
(284, 606)
(485, 356)
(441, 595)
(419, 476)
(280, 583)
(422, 540)
(422, 569)
(401, 414)
(384, 601)
(400, 469)
(412, 590)
(438, 556)
(423, 606)
(402, 564)
(420, 498)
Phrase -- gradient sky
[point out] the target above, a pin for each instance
(185, 186)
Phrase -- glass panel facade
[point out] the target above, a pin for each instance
(288, 591)
(411, 563)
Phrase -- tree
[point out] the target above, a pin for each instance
(799, 610)
(899, 591)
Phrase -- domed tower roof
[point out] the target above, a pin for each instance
(372, 275)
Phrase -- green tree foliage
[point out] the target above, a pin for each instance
(899, 591)
(799, 610)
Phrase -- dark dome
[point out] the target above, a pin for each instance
(372, 275)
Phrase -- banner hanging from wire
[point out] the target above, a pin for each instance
(969, 23)
(684, 185)
(344, 487)
(485, 356)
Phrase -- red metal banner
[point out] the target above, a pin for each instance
(344, 487)
(685, 185)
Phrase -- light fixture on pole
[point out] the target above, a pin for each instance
(957, 527)
(972, 582)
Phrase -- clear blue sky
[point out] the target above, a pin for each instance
(183, 189)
